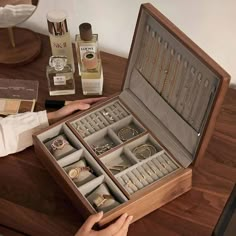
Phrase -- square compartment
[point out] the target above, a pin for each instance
(128, 128)
(144, 147)
(118, 161)
(71, 144)
(89, 188)
(102, 141)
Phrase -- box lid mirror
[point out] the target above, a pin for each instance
(179, 87)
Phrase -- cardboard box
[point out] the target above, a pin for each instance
(139, 147)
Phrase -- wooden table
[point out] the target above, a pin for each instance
(31, 203)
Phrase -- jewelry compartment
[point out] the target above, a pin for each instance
(88, 187)
(102, 141)
(128, 161)
(79, 169)
(98, 191)
(139, 163)
(60, 142)
(99, 119)
(147, 172)
(61, 168)
(144, 147)
(128, 128)
(118, 160)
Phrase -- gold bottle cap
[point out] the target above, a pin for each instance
(85, 30)
(57, 22)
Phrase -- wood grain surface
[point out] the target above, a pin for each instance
(27, 46)
(31, 203)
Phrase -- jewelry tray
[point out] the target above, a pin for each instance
(142, 144)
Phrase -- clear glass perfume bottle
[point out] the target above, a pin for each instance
(89, 61)
(60, 76)
(59, 35)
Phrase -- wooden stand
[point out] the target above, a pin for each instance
(27, 46)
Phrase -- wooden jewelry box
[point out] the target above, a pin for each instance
(135, 152)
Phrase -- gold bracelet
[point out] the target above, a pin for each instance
(127, 133)
(118, 167)
(100, 149)
(143, 149)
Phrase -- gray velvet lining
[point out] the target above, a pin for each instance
(145, 161)
(93, 184)
(121, 156)
(157, 127)
(180, 132)
(159, 107)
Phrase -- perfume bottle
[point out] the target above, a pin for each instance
(59, 36)
(60, 76)
(89, 61)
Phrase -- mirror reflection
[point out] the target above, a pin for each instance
(13, 12)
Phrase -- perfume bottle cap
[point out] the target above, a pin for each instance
(85, 30)
(58, 62)
(57, 22)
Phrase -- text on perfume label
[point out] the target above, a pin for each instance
(59, 80)
(59, 45)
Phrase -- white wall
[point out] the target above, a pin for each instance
(209, 23)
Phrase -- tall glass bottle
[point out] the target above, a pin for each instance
(60, 76)
(59, 35)
(89, 61)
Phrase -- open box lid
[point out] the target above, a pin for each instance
(175, 84)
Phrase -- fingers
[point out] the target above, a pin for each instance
(83, 104)
(73, 106)
(93, 219)
(90, 100)
(124, 229)
(79, 106)
(69, 109)
(115, 227)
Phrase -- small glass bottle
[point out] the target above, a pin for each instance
(60, 76)
(59, 35)
(89, 61)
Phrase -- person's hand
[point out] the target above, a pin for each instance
(73, 106)
(119, 228)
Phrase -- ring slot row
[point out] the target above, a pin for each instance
(100, 119)
(147, 172)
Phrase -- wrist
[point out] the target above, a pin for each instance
(51, 116)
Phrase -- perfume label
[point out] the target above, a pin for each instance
(85, 48)
(59, 80)
(61, 45)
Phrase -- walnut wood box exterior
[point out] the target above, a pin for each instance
(174, 91)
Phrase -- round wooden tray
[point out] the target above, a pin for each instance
(27, 46)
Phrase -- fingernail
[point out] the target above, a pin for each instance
(130, 218)
(100, 212)
(125, 215)
(86, 106)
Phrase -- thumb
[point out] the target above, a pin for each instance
(91, 221)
